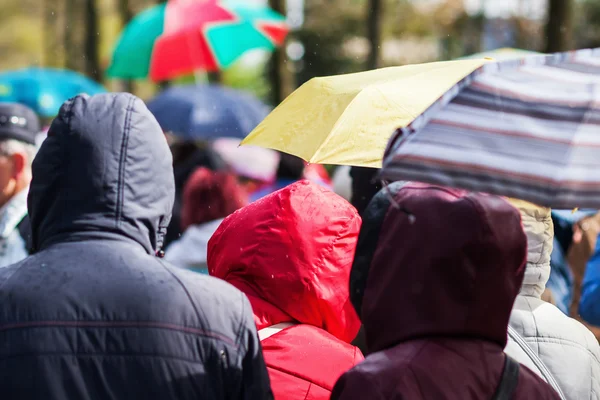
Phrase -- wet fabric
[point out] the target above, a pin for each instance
(291, 254)
(434, 277)
(93, 314)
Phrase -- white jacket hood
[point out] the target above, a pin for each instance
(537, 223)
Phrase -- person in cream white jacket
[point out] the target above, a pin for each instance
(568, 349)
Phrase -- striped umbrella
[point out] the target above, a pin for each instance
(526, 128)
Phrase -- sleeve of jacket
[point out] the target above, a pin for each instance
(589, 304)
(255, 378)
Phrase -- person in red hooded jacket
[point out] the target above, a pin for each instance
(434, 278)
(291, 253)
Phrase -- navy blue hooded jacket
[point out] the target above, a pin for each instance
(93, 314)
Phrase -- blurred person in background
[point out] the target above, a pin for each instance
(187, 156)
(589, 305)
(256, 167)
(291, 254)
(574, 283)
(567, 235)
(208, 197)
(94, 313)
(434, 278)
(364, 186)
(19, 129)
(342, 182)
(292, 169)
(566, 348)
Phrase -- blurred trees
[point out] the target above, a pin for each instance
(337, 36)
(92, 37)
(374, 21)
(330, 26)
(280, 73)
(587, 34)
(51, 33)
(125, 15)
(559, 27)
(70, 47)
(124, 11)
(460, 33)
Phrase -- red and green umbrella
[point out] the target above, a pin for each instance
(183, 36)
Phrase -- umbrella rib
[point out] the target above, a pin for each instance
(314, 158)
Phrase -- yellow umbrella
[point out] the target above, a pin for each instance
(348, 119)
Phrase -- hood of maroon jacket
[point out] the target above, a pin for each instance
(447, 263)
(434, 279)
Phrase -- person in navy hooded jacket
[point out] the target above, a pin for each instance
(94, 313)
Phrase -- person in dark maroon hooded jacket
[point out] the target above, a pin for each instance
(435, 275)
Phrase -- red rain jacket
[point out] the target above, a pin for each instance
(434, 278)
(290, 253)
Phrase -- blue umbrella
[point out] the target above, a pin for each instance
(207, 112)
(44, 89)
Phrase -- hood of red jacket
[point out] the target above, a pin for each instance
(291, 253)
(433, 261)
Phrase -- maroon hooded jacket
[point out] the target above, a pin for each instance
(434, 278)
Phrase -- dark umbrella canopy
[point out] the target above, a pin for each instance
(207, 112)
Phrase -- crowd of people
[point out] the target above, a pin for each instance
(137, 266)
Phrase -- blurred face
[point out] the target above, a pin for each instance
(249, 185)
(12, 176)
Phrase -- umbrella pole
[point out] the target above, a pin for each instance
(198, 77)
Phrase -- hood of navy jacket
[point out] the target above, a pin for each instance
(437, 262)
(104, 172)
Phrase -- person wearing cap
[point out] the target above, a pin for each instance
(19, 127)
